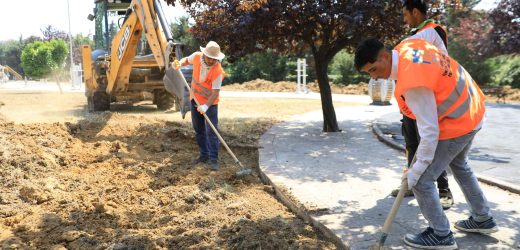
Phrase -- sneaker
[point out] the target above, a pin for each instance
(199, 160)
(470, 225)
(213, 164)
(429, 240)
(408, 193)
(446, 199)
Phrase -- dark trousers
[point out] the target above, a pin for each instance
(412, 139)
(206, 139)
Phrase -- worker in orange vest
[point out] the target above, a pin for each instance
(207, 78)
(448, 106)
(414, 15)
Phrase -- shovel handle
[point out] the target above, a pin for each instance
(397, 203)
(395, 207)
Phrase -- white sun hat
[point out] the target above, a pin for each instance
(212, 50)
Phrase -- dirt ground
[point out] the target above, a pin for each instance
(268, 86)
(122, 180)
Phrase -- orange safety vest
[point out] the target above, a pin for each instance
(202, 89)
(460, 102)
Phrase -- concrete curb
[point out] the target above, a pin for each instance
(301, 212)
(290, 203)
(484, 179)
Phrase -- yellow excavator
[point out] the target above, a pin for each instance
(116, 73)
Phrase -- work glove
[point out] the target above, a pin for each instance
(176, 64)
(202, 108)
(411, 176)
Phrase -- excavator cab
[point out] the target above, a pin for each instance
(133, 50)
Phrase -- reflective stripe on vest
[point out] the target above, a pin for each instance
(460, 102)
(202, 90)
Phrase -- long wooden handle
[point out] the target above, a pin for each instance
(397, 203)
(212, 126)
(395, 207)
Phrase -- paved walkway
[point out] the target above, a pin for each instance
(343, 180)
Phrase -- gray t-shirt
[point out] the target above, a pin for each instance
(204, 69)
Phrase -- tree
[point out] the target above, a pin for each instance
(505, 34)
(472, 32)
(51, 33)
(343, 69)
(265, 65)
(10, 54)
(181, 32)
(324, 27)
(40, 59)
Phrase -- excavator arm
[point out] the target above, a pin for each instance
(143, 16)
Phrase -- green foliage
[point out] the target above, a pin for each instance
(505, 70)
(41, 58)
(181, 33)
(10, 54)
(342, 70)
(35, 57)
(267, 65)
(470, 61)
(59, 52)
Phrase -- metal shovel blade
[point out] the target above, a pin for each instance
(175, 84)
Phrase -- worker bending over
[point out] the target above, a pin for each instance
(448, 106)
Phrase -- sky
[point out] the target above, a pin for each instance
(29, 17)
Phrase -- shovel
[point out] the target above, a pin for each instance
(391, 216)
(172, 75)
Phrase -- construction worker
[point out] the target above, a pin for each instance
(448, 106)
(414, 15)
(205, 87)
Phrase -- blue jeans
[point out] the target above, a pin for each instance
(206, 139)
(453, 153)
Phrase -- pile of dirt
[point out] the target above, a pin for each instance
(121, 182)
(510, 95)
(285, 86)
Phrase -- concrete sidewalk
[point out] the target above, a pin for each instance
(342, 181)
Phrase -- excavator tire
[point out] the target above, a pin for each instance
(163, 99)
(100, 101)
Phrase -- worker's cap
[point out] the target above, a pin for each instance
(212, 50)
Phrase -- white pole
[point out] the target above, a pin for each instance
(304, 75)
(70, 43)
(298, 75)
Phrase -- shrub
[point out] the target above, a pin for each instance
(342, 70)
(505, 70)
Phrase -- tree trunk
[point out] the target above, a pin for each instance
(57, 76)
(330, 123)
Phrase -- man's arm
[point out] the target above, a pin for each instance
(421, 101)
(184, 61)
(212, 97)
(215, 90)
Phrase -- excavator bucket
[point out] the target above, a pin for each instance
(175, 83)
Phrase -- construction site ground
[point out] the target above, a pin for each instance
(121, 179)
